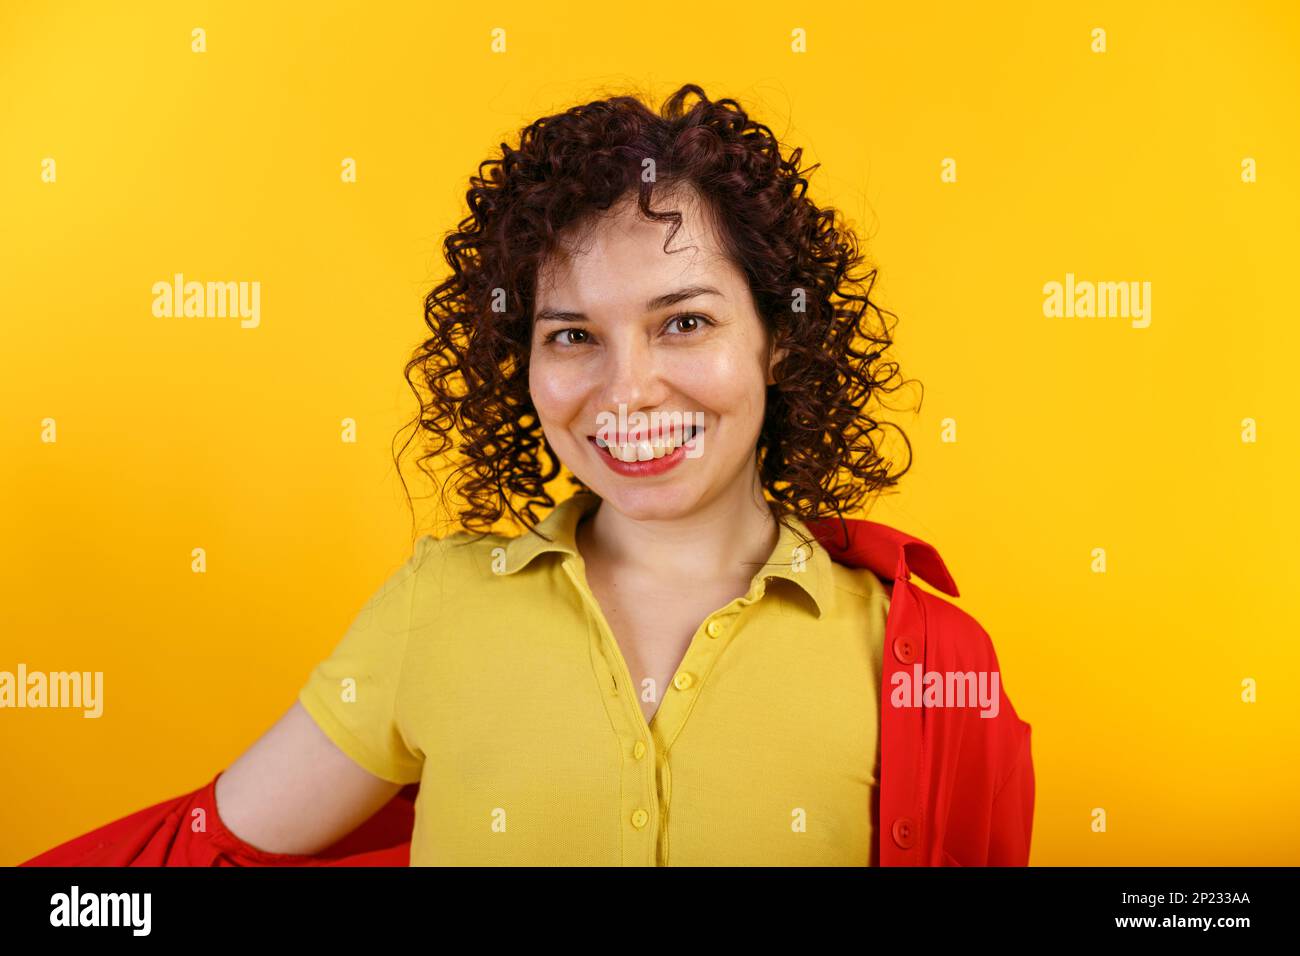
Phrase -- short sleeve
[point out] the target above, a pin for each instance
(352, 694)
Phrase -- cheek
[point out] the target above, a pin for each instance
(726, 382)
(557, 390)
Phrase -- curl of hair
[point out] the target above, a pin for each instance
(819, 449)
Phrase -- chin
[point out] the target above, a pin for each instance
(647, 502)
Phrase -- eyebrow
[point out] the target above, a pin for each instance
(658, 302)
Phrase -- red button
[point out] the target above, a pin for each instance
(904, 832)
(905, 649)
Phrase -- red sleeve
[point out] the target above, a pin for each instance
(186, 831)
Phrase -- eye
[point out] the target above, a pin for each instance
(558, 332)
(690, 317)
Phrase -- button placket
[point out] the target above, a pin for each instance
(647, 785)
(639, 802)
(665, 801)
(686, 682)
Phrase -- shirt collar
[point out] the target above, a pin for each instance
(805, 564)
(561, 526)
(803, 561)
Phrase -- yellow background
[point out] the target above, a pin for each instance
(1072, 433)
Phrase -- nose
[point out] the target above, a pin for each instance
(631, 376)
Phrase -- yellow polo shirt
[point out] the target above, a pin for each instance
(484, 669)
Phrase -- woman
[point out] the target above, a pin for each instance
(694, 659)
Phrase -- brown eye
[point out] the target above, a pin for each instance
(558, 332)
(688, 317)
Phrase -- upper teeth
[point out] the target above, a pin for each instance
(645, 450)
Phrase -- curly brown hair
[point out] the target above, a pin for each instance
(800, 261)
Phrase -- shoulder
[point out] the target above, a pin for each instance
(952, 632)
(452, 583)
(863, 588)
(461, 556)
(955, 641)
(871, 556)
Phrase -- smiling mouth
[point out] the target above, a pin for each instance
(645, 450)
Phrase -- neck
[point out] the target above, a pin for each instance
(728, 537)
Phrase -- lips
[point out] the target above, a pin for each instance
(646, 448)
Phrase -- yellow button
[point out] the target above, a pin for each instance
(714, 629)
(639, 818)
(639, 750)
(683, 681)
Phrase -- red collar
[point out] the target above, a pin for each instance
(888, 552)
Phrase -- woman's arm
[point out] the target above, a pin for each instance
(294, 791)
(274, 786)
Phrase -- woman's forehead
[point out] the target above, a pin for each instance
(622, 254)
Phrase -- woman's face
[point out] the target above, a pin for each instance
(621, 327)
